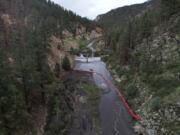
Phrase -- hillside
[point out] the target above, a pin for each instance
(35, 36)
(144, 59)
(118, 17)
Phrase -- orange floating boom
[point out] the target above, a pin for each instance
(116, 89)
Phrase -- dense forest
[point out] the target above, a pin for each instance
(141, 26)
(27, 84)
(116, 18)
(146, 57)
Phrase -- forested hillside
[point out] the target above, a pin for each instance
(145, 60)
(34, 35)
(38, 41)
(116, 18)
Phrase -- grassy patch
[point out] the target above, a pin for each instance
(113, 61)
(172, 98)
(155, 104)
(83, 43)
(92, 90)
(173, 127)
(68, 41)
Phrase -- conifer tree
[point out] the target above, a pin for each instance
(66, 63)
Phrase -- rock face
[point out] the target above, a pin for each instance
(7, 19)
(80, 30)
(157, 123)
(163, 48)
(138, 128)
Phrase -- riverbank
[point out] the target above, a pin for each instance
(158, 114)
(85, 115)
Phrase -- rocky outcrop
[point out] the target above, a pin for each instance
(158, 123)
(7, 19)
(162, 48)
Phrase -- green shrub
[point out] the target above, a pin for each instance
(162, 86)
(66, 65)
(131, 91)
(173, 97)
(59, 47)
(83, 43)
(152, 68)
(155, 104)
(58, 120)
(57, 70)
(75, 51)
(92, 90)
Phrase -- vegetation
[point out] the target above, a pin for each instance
(146, 58)
(155, 104)
(66, 65)
(170, 7)
(117, 18)
(28, 84)
(26, 81)
(83, 44)
(12, 109)
(133, 47)
(59, 110)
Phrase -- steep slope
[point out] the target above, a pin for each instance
(145, 61)
(35, 35)
(117, 17)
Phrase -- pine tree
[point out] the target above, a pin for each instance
(57, 70)
(39, 42)
(169, 7)
(66, 64)
(12, 110)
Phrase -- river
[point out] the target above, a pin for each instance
(115, 118)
